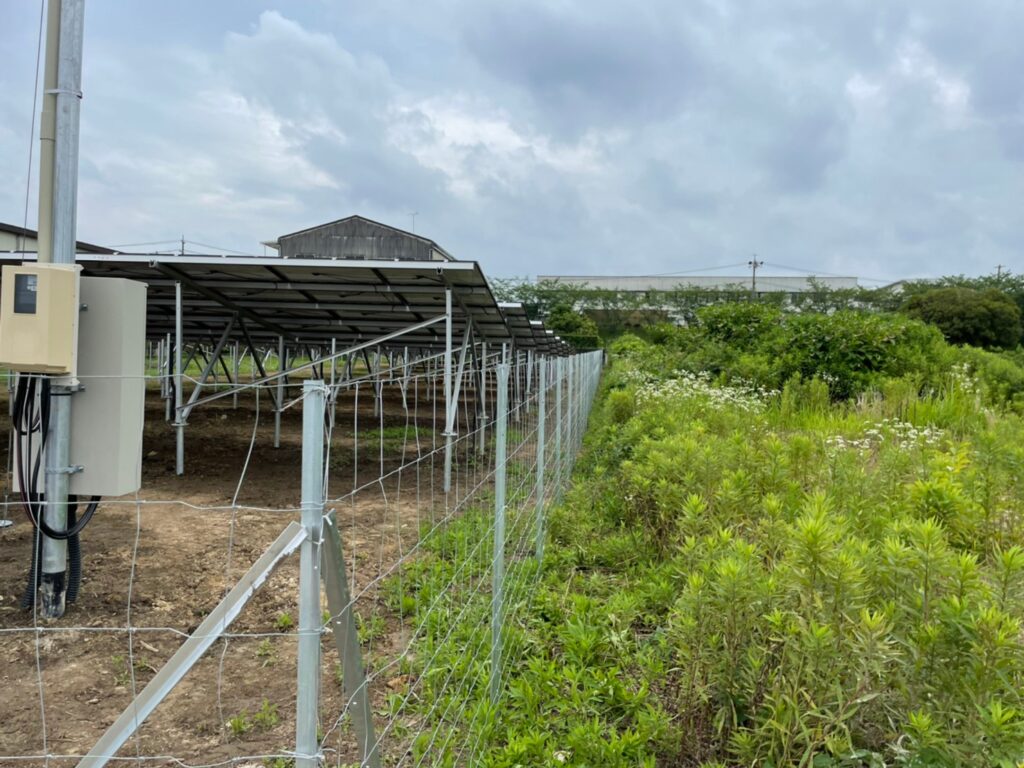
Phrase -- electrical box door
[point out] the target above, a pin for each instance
(107, 415)
(39, 318)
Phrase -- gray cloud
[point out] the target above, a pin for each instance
(882, 139)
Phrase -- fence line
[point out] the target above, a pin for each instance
(426, 588)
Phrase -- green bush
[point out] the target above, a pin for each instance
(983, 318)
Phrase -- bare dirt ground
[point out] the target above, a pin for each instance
(162, 562)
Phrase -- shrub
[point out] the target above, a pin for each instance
(983, 318)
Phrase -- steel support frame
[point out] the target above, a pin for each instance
(211, 364)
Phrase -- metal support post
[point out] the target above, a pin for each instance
(160, 367)
(58, 203)
(55, 551)
(449, 405)
(282, 366)
(559, 371)
(541, 440)
(179, 423)
(570, 442)
(378, 382)
(498, 561)
(517, 383)
(235, 368)
(334, 361)
(308, 667)
(482, 397)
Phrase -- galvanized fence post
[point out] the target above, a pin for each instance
(541, 440)
(308, 667)
(559, 371)
(570, 421)
(498, 556)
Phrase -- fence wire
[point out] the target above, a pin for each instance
(418, 551)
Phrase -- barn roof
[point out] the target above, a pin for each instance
(355, 222)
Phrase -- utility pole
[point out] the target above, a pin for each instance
(754, 264)
(999, 271)
(413, 215)
(58, 205)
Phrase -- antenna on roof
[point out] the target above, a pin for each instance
(414, 214)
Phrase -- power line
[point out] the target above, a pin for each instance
(154, 242)
(694, 271)
(824, 274)
(217, 248)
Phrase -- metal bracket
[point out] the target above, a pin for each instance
(74, 469)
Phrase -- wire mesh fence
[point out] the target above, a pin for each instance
(352, 597)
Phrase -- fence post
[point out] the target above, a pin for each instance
(570, 421)
(308, 667)
(498, 561)
(542, 366)
(559, 369)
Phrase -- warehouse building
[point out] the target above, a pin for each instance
(359, 239)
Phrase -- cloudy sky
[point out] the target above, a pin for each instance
(878, 138)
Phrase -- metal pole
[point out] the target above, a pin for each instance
(482, 394)
(282, 365)
(235, 368)
(559, 371)
(334, 360)
(541, 439)
(570, 393)
(308, 671)
(48, 134)
(165, 373)
(498, 561)
(179, 466)
(448, 404)
(68, 45)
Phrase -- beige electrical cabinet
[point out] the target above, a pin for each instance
(39, 318)
(107, 415)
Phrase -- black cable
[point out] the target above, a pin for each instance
(35, 572)
(31, 499)
(74, 557)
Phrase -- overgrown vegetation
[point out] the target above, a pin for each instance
(972, 310)
(793, 540)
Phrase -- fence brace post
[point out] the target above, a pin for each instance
(498, 562)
